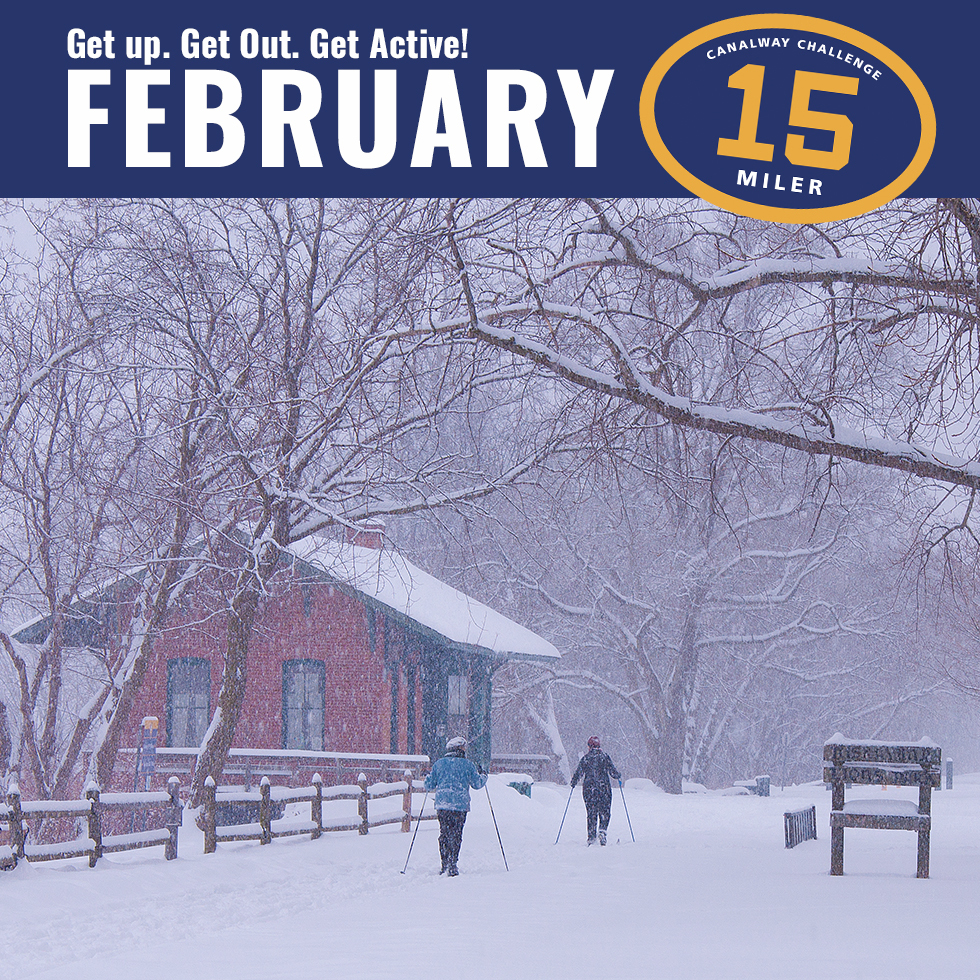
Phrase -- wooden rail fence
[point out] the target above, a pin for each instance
(95, 809)
(266, 828)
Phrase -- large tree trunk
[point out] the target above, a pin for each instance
(6, 742)
(150, 612)
(218, 739)
(670, 761)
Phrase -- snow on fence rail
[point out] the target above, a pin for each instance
(267, 828)
(97, 806)
(94, 810)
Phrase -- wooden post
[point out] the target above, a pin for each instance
(17, 834)
(837, 831)
(210, 834)
(362, 804)
(925, 798)
(836, 850)
(173, 817)
(837, 790)
(407, 803)
(265, 810)
(316, 807)
(922, 852)
(92, 794)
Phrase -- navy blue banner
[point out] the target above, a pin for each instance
(511, 98)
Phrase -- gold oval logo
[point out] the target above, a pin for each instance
(787, 118)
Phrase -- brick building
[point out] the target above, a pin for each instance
(354, 650)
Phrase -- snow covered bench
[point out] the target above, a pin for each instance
(881, 764)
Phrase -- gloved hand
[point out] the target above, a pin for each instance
(620, 784)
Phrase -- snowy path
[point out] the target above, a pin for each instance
(708, 891)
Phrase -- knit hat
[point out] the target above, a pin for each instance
(594, 742)
(457, 744)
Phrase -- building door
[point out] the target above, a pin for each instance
(455, 701)
(188, 701)
(303, 704)
(458, 706)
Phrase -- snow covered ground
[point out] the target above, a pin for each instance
(707, 891)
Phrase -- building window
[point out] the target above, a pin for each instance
(303, 704)
(188, 700)
(458, 706)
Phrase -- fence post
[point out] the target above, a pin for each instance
(210, 834)
(362, 804)
(92, 794)
(407, 802)
(265, 810)
(174, 813)
(17, 834)
(316, 807)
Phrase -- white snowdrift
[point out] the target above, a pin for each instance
(707, 891)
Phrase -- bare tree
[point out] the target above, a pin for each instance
(243, 374)
(95, 538)
(658, 603)
(854, 341)
(304, 338)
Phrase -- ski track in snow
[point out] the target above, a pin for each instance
(708, 891)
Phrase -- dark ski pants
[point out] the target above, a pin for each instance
(597, 811)
(450, 836)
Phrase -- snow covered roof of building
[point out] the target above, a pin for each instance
(385, 577)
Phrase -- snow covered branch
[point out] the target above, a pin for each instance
(873, 450)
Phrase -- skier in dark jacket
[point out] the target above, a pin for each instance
(451, 778)
(595, 769)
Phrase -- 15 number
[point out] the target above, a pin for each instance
(750, 77)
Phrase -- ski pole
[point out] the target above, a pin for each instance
(417, 822)
(495, 827)
(626, 808)
(562, 824)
